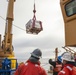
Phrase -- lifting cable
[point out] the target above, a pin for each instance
(14, 24)
(34, 17)
(34, 11)
(44, 64)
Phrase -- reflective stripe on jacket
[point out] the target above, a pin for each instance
(67, 70)
(30, 68)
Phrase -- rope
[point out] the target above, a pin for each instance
(2, 18)
(44, 64)
(13, 24)
(34, 1)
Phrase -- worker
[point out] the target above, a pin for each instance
(75, 58)
(57, 65)
(32, 65)
(68, 63)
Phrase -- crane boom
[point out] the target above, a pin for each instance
(8, 29)
(6, 48)
(7, 42)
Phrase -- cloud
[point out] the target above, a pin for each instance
(42, 42)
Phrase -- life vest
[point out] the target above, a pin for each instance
(58, 67)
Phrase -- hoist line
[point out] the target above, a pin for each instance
(13, 24)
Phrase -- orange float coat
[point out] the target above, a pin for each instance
(67, 70)
(30, 68)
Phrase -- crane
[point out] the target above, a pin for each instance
(68, 8)
(7, 48)
(8, 63)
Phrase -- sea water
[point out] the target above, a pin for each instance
(44, 62)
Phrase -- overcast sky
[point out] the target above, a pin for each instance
(47, 11)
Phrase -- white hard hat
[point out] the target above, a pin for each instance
(67, 56)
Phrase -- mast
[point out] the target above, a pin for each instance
(56, 54)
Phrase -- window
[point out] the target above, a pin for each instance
(70, 8)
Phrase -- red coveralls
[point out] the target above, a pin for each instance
(30, 68)
(67, 70)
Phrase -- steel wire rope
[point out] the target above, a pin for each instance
(44, 64)
(23, 30)
(14, 24)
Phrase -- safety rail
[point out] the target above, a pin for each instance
(6, 66)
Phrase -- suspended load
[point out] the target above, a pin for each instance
(34, 26)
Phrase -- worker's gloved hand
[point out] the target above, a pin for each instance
(50, 60)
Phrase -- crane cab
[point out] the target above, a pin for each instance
(33, 26)
(68, 8)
